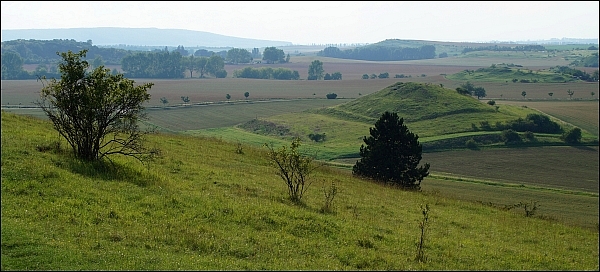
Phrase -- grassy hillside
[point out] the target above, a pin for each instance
(441, 117)
(204, 206)
(414, 102)
(511, 73)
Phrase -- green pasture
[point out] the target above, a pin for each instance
(227, 114)
(203, 205)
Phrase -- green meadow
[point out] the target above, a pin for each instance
(202, 205)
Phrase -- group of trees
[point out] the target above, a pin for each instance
(213, 65)
(44, 51)
(522, 48)
(163, 64)
(576, 73)
(469, 89)
(316, 71)
(171, 65)
(380, 53)
(274, 55)
(381, 75)
(267, 73)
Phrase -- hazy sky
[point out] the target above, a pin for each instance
(324, 22)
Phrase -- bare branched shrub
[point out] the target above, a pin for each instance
(294, 168)
(423, 226)
(329, 196)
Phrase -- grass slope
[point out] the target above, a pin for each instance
(434, 113)
(204, 206)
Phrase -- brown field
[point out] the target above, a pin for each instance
(569, 168)
(583, 114)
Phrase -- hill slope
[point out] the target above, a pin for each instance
(202, 205)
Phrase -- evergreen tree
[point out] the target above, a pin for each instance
(392, 154)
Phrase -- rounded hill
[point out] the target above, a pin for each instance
(411, 100)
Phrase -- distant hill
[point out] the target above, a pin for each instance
(414, 101)
(139, 36)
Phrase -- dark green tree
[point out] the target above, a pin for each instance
(392, 154)
(479, 92)
(336, 76)
(238, 55)
(572, 136)
(96, 112)
(12, 65)
(273, 55)
(315, 70)
(215, 65)
(246, 94)
(468, 88)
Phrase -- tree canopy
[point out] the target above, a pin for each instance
(238, 55)
(96, 112)
(315, 70)
(273, 55)
(391, 154)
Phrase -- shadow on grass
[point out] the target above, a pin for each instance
(105, 170)
(584, 147)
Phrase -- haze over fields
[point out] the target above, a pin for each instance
(303, 23)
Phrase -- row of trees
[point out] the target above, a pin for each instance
(522, 48)
(44, 51)
(381, 53)
(267, 73)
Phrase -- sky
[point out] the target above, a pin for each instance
(322, 22)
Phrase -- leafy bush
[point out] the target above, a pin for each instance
(317, 137)
(331, 96)
(491, 102)
(573, 136)
(293, 168)
(471, 144)
(511, 137)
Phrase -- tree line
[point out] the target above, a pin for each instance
(381, 53)
(138, 64)
(505, 48)
(44, 51)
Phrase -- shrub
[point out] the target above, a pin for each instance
(317, 137)
(329, 196)
(573, 136)
(491, 102)
(529, 136)
(510, 136)
(221, 74)
(293, 168)
(471, 144)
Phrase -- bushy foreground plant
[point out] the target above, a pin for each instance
(294, 168)
(96, 112)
